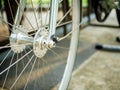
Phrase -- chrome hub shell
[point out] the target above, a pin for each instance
(42, 43)
(19, 39)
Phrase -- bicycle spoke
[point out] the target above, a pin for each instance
(12, 26)
(64, 16)
(34, 14)
(5, 57)
(8, 71)
(62, 38)
(30, 73)
(14, 46)
(10, 10)
(53, 51)
(41, 24)
(61, 47)
(21, 72)
(38, 66)
(23, 64)
(15, 62)
(28, 57)
(16, 69)
(6, 23)
(64, 23)
(2, 47)
(24, 14)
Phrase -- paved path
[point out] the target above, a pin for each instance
(102, 70)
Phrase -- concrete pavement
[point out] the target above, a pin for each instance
(101, 71)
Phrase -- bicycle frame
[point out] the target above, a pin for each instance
(53, 17)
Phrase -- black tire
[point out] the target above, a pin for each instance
(118, 16)
(98, 9)
(81, 11)
(11, 9)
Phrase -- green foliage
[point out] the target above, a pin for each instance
(85, 3)
(48, 1)
(37, 1)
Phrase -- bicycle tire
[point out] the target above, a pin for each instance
(118, 16)
(99, 10)
(73, 45)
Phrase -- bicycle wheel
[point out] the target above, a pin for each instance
(101, 12)
(34, 60)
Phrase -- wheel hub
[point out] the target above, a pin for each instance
(19, 39)
(42, 42)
